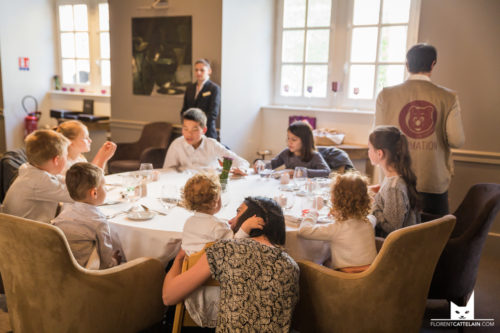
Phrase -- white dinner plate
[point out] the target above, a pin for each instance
(141, 215)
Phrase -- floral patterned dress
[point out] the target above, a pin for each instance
(259, 286)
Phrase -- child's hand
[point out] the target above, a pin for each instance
(117, 256)
(374, 188)
(237, 171)
(253, 222)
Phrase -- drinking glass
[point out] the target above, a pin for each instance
(170, 196)
(146, 170)
(134, 190)
(299, 177)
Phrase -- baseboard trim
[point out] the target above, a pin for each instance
(476, 156)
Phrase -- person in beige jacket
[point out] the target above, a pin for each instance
(429, 115)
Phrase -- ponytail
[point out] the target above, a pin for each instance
(395, 147)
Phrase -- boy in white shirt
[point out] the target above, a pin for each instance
(202, 195)
(38, 189)
(193, 150)
(85, 227)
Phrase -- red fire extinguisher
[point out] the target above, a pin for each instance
(31, 120)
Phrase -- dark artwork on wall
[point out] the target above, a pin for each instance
(161, 55)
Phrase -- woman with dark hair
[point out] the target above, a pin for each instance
(258, 279)
(300, 152)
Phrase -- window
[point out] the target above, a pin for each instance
(83, 31)
(341, 53)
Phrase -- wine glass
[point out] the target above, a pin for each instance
(300, 177)
(146, 170)
(134, 190)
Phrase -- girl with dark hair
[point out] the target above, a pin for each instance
(301, 152)
(396, 202)
(258, 279)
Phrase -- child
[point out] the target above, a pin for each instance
(83, 224)
(396, 201)
(193, 150)
(351, 237)
(202, 195)
(78, 134)
(301, 152)
(38, 189)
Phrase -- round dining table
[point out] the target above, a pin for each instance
(160, 237)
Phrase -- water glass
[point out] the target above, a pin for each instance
(146, 170)
(300, 176)
(170, 196)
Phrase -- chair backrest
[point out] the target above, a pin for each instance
(181, 317)
(155, 134)
(335, 157)
(456, 271)
(388, 297)
(9, 165)
(47, 291)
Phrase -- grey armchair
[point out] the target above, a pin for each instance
(456, 271)
(47, 291)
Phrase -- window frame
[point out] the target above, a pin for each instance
(95, 84)
(341, 28)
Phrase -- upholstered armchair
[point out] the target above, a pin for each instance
(390, 296)
(456, 271)
(150, 148)
(47, 291)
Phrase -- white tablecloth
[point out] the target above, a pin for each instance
(160, 237)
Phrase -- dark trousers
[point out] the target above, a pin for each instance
(435, 204)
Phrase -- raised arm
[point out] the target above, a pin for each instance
(177, 285)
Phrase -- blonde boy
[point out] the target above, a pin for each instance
(202, 195)
(38, 189)
(85, 227)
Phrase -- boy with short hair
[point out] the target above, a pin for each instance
(39, 187)
(85, 227)
(193, 150)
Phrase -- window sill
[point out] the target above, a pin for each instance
(316, 109)
(80, 94)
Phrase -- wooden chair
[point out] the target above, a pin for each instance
(47, 291)
(390, 296)
(181, 317)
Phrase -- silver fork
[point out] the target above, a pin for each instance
(112, 216)
(156, 211)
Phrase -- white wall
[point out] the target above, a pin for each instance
(26, 30)
(130, 112)
(247, 67)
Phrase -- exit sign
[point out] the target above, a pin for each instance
(24, 63)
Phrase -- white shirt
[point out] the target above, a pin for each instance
(183, 155)
(200, 229)
(35, 194)
(352, 242)
(85, 227)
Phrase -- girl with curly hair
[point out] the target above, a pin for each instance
(351, 237)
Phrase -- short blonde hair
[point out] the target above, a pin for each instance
(43, 145)
(201, 192)
(71, 128)
(350, 197)
(81, 178)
